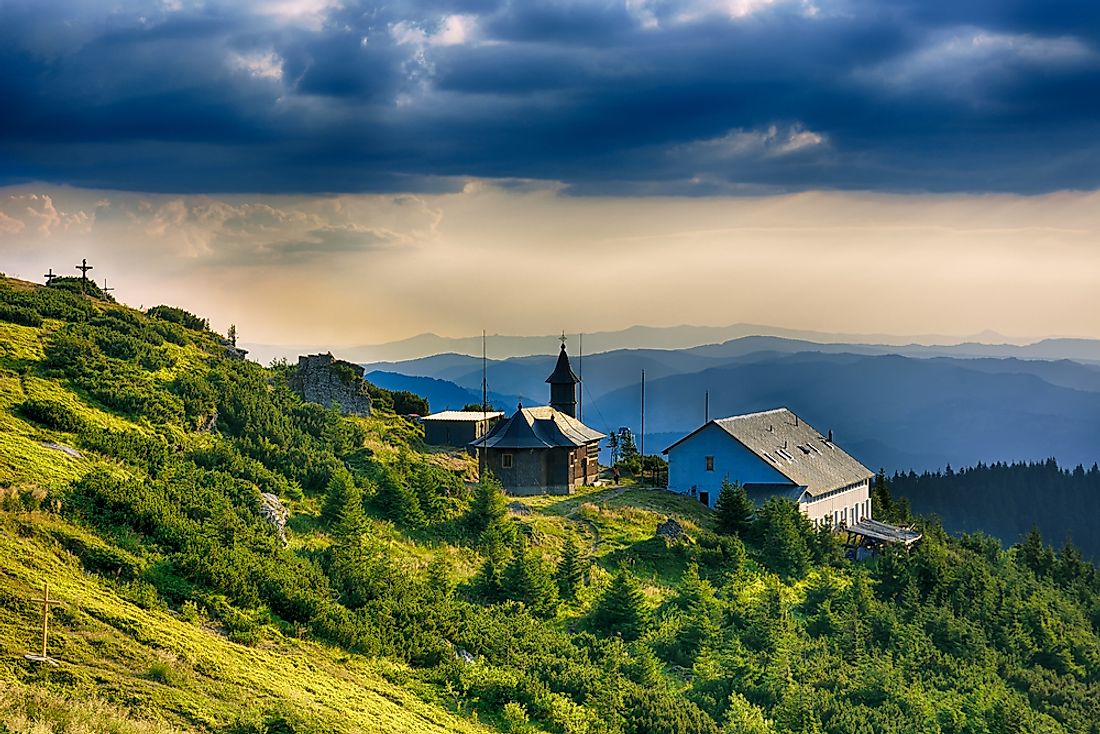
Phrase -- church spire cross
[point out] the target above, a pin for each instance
(563, 340)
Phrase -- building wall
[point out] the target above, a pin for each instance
(843, 508)
(688, 474)
(533, 471)
(453, 433)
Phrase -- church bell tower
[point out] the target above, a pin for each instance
(563, 385)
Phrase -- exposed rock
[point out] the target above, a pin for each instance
(321, 378)
(232, 351)
(670, 530)
(519, 508)
(273, 511)
(63, 449)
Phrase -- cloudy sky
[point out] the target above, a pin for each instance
(336, 172)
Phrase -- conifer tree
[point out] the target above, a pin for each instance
(734, 509)
(784, 535)
(570, 572)
(341, 486)
(423, 484)
(527, 580)
(489, 581)
(622, 609)
(488, 508)
(398, 501)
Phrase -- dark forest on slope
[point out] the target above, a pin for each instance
(1008, 500)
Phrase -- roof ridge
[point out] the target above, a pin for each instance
(753, 415)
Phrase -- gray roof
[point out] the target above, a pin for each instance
(794, 448)
(462, 415)
(538, 428)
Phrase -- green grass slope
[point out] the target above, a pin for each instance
(124, 667)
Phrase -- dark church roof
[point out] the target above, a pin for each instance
(542, 427)
(563, 374)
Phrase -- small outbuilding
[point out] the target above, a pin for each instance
(457, 428)
(772, 453)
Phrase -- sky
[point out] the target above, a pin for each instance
(335, 172)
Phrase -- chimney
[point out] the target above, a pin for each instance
(830, 439)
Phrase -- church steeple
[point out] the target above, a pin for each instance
(563, 385)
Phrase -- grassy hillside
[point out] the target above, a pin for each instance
(133, 452)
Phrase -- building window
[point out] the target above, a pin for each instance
(505, 461)
(710, 463)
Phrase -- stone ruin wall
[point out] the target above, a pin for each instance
(321, 378)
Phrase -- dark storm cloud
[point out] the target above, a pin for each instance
(642, 97)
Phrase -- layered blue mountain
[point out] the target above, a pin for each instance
(898, 408)
(441, 394)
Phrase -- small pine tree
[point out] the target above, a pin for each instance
(489, 581)
(341, 488)
(734, 509)
(785, 537)
(570, 572)
(622, 609)
(488, 508)
(396, 499)
(424, 485)
(231, 335)
(527, 580)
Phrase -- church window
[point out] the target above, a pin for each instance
(710, 463)
(505, 461)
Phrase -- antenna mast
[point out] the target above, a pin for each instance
(642, 437)
(484, 407)
(706, 408)
(580, 368)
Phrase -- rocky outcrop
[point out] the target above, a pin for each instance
(276, 515)
(670, 530)
(321, 378)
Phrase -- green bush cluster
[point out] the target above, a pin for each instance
(51, 414)
(35, 304)
(178, 316)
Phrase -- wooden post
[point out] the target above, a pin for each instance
(45, 601)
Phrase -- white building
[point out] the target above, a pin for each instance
(773, 453)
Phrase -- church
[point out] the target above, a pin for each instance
(544, 449)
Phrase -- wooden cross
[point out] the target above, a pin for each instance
(105, 289)
(49, 276)
(83, 267)
(45, 601)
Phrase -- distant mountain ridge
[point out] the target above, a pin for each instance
(687, 337)
(899, 408)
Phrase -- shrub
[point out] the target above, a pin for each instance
(19, 315)
(51, 414)
(178, 316)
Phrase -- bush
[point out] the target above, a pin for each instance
(178, 316)
(19, 315)
(51, 414)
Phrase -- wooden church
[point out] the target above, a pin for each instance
(545, 449)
